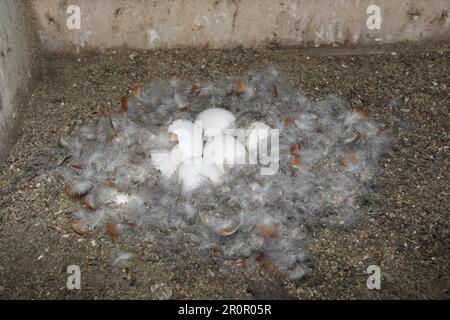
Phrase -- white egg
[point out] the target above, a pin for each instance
(189, 136)
(193, 172)
(224, 149)
(259, 132)
(177, 155)
(166, 162)
(215, 121)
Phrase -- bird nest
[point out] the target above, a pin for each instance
(328, 154)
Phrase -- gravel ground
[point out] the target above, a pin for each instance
(405, 231)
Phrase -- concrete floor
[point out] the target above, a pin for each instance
(406, 226)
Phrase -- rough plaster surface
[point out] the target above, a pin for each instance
(17, 57)
(148, 24)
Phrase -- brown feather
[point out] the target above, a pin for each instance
(240, 87)
(295, 162)
(295, 149)
(268, 230)
(137, 90)
(112, 229)
(361, 113)
(124, 104)
(350, 158)
(274, 90)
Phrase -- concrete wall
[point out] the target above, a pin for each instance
(18, 58)
(148, 24)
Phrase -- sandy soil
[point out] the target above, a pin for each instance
(405, 231)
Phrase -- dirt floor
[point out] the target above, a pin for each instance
(405, 231)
